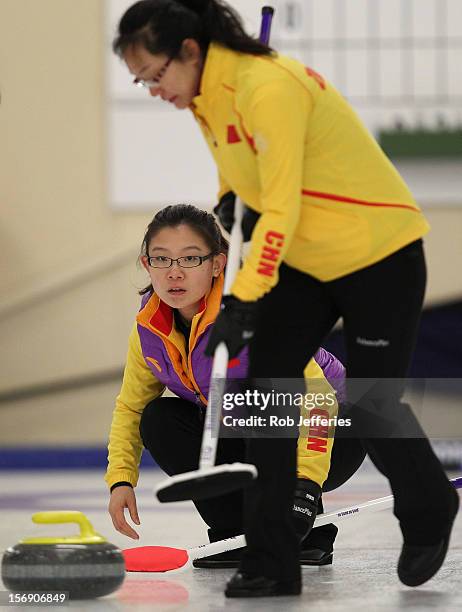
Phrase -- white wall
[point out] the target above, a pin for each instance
(395, 60)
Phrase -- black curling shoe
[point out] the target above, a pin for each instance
(315, 556)
(418, 563)
(227, 559)
(232, 558)
(246, 585)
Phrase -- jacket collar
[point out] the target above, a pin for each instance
(220, 70)
(157, 316)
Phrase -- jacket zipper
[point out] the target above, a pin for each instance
(202, 408)
(191, 374)
(204, 122)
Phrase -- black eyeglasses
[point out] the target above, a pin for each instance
(155, 80)
(189, 261)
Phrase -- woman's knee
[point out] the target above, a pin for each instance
(155, 422)
(171, 431)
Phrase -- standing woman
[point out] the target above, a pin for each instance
(339, 235)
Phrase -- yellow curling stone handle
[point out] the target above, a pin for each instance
(87, 534)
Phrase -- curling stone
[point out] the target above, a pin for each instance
(84, 565)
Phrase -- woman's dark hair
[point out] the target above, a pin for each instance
(185, 214)
(160, 26)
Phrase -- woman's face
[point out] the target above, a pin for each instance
(177, 81)
(182, 288)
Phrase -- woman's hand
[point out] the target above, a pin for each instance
(235, 326)
(121, 498)
(224, 210)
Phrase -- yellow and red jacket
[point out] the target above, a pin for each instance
(289, 145)
(157, 359)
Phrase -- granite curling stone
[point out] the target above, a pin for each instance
(85, 565)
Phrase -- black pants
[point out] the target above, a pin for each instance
(171, 430)
(380, 306)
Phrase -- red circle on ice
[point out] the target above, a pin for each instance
(154, 558)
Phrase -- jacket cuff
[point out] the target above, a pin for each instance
(121, 484)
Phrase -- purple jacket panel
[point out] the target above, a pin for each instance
(153, 346)
(334, 371)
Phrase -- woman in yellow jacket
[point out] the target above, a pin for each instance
(184, 253)
(338, 235)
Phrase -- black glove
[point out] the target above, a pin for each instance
(235, 326)
(225, 213)
(306, 498)
(224, 210)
